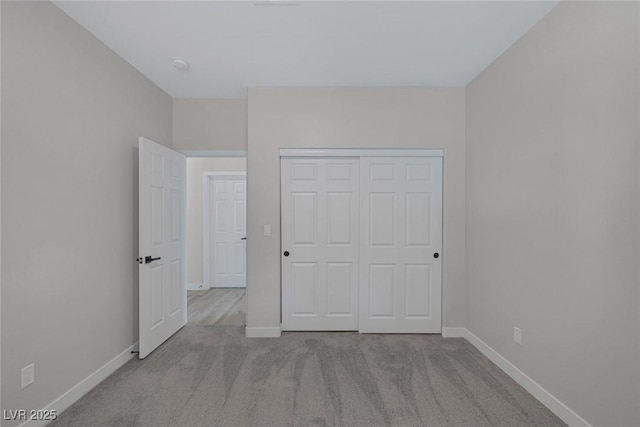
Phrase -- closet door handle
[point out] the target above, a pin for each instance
(286, 253)
(148, 259)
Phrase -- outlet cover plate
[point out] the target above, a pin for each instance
(28, 375)
(517, 335)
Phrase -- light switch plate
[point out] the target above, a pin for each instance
(267, 230)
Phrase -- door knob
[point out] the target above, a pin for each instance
(243, 238)
(286, 253)
(436, 255)
(148, 259)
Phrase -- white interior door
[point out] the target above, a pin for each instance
(320, 244)
(400, 236)
(163, 294)
(227, 231)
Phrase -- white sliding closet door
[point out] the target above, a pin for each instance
(400, 241)
(320, 243)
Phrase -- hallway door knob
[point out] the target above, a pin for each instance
(286, 253)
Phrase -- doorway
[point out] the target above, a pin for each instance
(216, 233)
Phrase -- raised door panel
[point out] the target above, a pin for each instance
(239, 216)
(220, 260)
(175, 297)
(340, 275)
(339, 219)
(156, 214)
(304, 207)
(156, 291)
(240, 259)
(418, 286)
(418, 219)
(305, 284)
(381, 211)
(382, 285)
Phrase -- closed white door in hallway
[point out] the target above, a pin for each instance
(225, 216)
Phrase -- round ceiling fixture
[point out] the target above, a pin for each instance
(180, 63)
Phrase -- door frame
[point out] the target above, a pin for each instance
(208, 178)
(374, 152)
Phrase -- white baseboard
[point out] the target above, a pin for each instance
(72, 395)
(547, 399)
(227, 287)
(195, 287)
(454, 332)
(263, 332)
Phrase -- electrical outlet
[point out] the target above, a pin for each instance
(517, 335)
(28, 375)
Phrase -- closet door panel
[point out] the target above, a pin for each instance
(320, 243)
(400, 241)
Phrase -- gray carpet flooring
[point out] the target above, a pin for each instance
(218, 306)
(214, 376)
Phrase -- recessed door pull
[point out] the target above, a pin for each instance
(148, 259)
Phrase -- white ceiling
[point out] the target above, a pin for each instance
(236, 44)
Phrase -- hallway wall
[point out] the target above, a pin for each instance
(72, 112)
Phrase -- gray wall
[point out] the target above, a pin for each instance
(195, 170)
(1, 405)
(210, 124)
(552, 207)
(72, 113)
(349, 118)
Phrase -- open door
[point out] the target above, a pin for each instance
(163, 292)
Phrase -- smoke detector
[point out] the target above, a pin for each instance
(180, 63)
